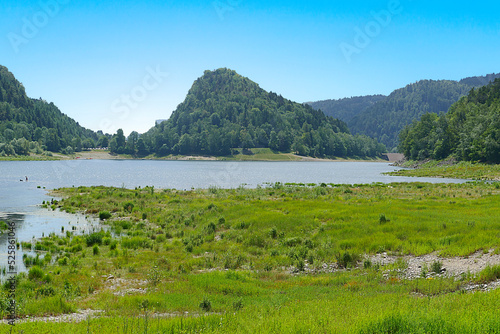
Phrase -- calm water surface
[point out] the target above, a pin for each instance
(20, 201)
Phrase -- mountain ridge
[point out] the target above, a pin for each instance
(384, 119)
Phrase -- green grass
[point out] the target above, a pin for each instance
(266, 154)
(311, 304)
(228, 254)
(262, 154)
(29, 158)
(461, 170)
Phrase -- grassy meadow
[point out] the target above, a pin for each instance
(461, 170)
(277, 259)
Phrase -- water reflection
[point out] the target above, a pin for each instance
(30, 228)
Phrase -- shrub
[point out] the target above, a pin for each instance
(32, 261)
(63, 261)
(309, 244)
(46, 291)
(103, 215)
(128, 207)
(238, 305)
(154, 276)
(210, 228)
(273, 233)
(292, 242)
(76, 248)
(35, 273)
(242, 226)
(436, 267)
(489, 274)
(94, 239)
(95, 250)
(136, 243)
(206, 305)
(383, 219)
(300, 265)
(347, 260)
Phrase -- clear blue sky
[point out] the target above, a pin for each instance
(86, 55)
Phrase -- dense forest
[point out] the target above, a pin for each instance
(347, 108)
(469, 131)
(224, 110)
(384, 119)
(33, 125)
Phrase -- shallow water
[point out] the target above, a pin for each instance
(20, 200)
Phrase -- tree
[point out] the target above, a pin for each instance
(76, 143)
(120, 141)
(273, 141)
(88, 144)
(130, 147)
(103, 142)
(142, 150)
(52, 141)
(113, 145)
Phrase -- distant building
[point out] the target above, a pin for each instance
(158, 121)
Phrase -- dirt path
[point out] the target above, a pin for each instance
(453, 267)
(96, 155)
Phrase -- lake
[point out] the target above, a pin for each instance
(20, 201)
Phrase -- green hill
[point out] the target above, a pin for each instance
(347, 108)
(224, 110)
(383, 118)
(469, 131)
(33, 124)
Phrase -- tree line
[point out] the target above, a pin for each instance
(470, 130)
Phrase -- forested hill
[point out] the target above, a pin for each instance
(385, 119)
(224, 110)
(34, 125)
(469, 131)
(347, 108)
(480, 81)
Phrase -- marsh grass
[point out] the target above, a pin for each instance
(233, 249)
(461, 170)
(489, 274)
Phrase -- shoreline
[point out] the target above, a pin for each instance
(105, 155)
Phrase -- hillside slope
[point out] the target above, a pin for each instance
(384, 117)
(224, 110)
(347, 108)
(469, 131)
(24, 120)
